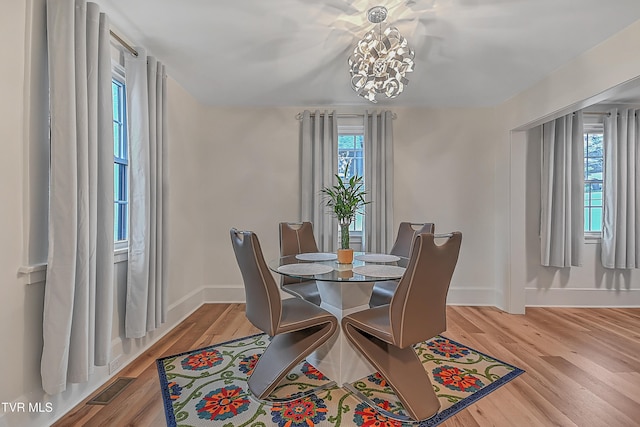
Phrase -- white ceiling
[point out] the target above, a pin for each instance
(294, 52)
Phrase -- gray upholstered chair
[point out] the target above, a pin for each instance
(383, 291)
(417, 312)
(297, 238)
(297, 326)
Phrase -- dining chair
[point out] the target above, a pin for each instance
(383, 291)
(297, 238)
(385, 335)
(297, 327)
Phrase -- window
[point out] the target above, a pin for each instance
(593, 164)
(351, 161)
(120, 162)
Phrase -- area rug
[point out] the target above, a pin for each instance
(208, 387)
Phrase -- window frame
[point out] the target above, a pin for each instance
(118, 76)
(352, 228)
(355, 130)
(592, 127)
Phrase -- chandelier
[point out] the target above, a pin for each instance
(381, 60)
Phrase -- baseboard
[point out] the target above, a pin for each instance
(471, 296)
(587, 298)
(457, 295)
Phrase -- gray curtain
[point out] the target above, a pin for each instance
(621, 210)
(562, 215)
(319, 164)
(146, 301)
(78, 300)
(378, 178)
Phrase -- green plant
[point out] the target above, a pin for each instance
(345, 199)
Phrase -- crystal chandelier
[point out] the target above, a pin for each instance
(381, 60)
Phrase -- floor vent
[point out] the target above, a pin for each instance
(110, 393)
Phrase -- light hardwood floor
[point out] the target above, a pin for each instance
(582, 367)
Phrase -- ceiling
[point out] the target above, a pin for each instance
(294, 52)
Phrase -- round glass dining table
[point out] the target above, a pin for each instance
(344, 289)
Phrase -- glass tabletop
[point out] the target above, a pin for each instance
(366, 267)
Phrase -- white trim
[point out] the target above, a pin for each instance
(485, 296)
(511, 269)
(479, 296)
(120, 245)
(32, 274)
(121, 255)
(117, 71)
(592, 238)
(37, 273)
(584, 298)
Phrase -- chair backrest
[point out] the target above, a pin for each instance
(406, 233)
(418, 307)
(296, 238)
(263, 304)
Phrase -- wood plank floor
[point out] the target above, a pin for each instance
(582, 367)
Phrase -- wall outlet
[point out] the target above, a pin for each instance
(115, 364)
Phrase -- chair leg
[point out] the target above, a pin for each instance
(283, 353)
(402, 369)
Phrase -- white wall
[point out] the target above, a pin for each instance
(444, 170)
(588, 79)
(250, 180)
(13, 316)
(444, 173)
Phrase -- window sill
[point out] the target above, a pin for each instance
(592, 238)
(121, 254)
(32, 274)
(37, 273)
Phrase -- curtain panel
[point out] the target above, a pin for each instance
(319, 164)
(78, 298)
(378, 178)
(621, 203)
(562, 204)
(146, 300)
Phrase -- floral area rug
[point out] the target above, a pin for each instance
(208, 387)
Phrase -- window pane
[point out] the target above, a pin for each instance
(596, 219)
(351, 163)
(120, 221)
(593, 168)
(345, 142)
(116, 101)
(593, 186)
(116, 138)
(120, 190)
(116, 222)
(116, 182)
(120, 183)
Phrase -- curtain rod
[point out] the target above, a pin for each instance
(299, 115)
(124, 43)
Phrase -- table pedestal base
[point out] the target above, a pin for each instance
(337, 358)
